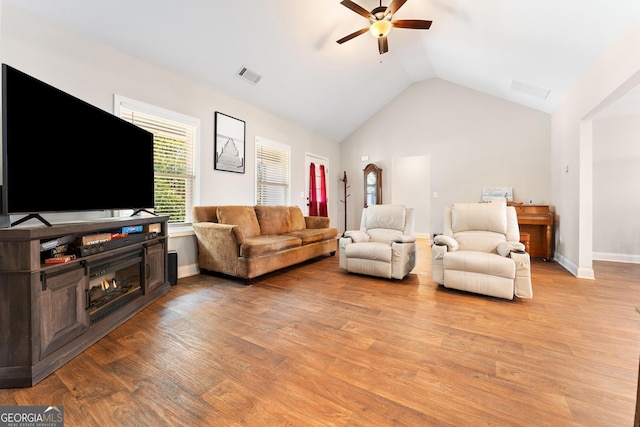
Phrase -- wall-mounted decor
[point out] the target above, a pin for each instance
(229, 143)
(489, 194)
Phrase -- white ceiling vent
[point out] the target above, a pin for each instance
(248, 75)
(530, 89)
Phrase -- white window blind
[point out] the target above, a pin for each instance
(272, 173)
(173, 153)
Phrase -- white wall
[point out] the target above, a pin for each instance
(410, 186)
(571, 145)
(95, 72)
(616, 200)
(473, 141)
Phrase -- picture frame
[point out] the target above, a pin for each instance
(489, 194)
(229, 140)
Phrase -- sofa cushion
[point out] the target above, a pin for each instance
(317, 222)
(273, 219)
(479, 216)
(311, 235)
(242, 216)
(205, 214)
(297, 218)
(262, 245)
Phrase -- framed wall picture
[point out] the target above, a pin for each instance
(229, 143)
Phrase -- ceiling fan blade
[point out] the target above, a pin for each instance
(394, 6)
(352, 35)
(383, 46)
(358, 9)
(415, 24)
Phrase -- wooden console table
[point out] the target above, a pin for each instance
(537, 221)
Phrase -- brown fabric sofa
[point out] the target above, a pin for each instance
(249, 241)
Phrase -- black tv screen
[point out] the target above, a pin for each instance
(60, 153)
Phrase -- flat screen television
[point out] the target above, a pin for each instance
(62, 154)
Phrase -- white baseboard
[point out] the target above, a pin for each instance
(566, 264)
(579, 272)
(613, 257)
(588, 273)
(188, 270)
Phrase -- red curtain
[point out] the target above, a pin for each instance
(313, 202)
(322, 203)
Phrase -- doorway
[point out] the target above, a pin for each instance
(321, 171)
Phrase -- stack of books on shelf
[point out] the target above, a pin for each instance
(93, 239)
(57, 251)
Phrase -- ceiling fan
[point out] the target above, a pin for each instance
(381, 21)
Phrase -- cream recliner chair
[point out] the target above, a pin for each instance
(384, 246)
(480, 251)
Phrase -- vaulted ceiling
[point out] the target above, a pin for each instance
(499, 47)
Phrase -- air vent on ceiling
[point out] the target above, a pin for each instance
(248, 75)
(530, 89)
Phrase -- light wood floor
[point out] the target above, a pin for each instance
(313, 345)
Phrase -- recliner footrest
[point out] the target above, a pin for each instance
(480, 262)
(369, 250)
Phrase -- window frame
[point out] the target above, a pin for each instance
(260, 141)
(120, 102)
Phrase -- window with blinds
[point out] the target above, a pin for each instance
(173, 151)
(272, 173)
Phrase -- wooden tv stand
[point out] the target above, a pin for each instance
(50, 313)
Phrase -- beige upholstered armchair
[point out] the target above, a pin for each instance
(480, 251)
(384, 246)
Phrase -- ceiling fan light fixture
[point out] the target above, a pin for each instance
(381, 21)
(380, 28)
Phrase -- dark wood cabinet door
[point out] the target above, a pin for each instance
(154, 266)
(63, 314)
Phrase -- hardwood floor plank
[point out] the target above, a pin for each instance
(117, 410)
